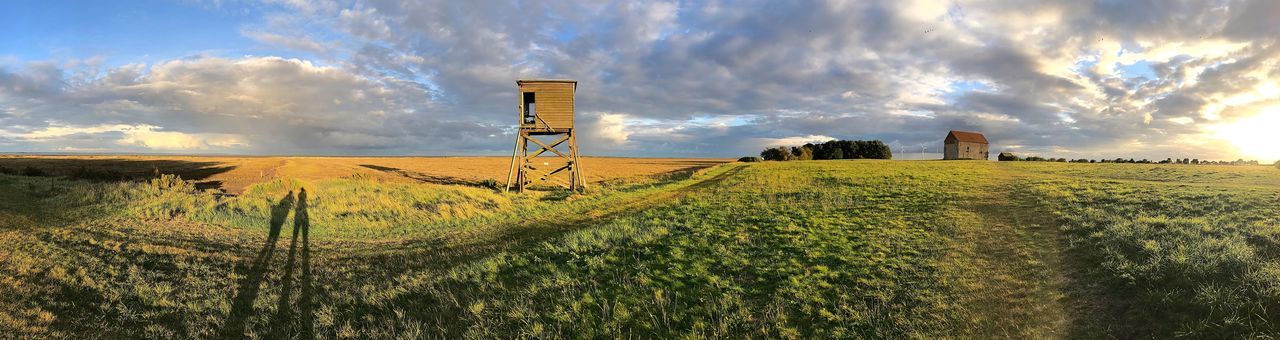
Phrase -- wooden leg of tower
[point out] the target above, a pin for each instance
(577, 163)
(511, 170)
(573, 165)
(524, 162)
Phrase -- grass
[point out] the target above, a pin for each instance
(813, 249)
(761, 253)
(1204, 255)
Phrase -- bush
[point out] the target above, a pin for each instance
(749, 159)
(1007, 157)
(780, 153)
(167, 182)
(32, 171)
(1277, 164)
(7, 171)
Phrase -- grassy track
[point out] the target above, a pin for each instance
(1005, 263)
(826, 249)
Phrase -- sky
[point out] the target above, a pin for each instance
(1079, 79)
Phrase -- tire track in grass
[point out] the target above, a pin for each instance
(423, 261)
(436, 255)
(1010, 266)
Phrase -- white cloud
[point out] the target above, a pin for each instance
(609, 128)
(146, 136)
(792, 141)
(302, 43)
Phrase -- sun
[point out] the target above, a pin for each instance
(1254, 137)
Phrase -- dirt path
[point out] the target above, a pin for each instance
(1011, 266)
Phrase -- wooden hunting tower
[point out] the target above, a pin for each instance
(546, 122)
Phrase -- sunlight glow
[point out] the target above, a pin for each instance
(1254, 137)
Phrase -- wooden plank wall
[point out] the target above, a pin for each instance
(553, 103)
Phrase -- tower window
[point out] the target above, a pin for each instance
(530, 113)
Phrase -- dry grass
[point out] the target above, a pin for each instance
(234, 174)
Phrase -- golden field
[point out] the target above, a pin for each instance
(235, 173)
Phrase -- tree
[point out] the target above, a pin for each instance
(823, 151)
(879, 150)
(849, 150)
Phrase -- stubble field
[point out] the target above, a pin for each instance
(235, 174)
(828, 249)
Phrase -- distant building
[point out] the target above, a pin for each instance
(965, 145)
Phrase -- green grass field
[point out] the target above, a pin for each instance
(806, 249)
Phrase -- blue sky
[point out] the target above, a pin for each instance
(120, 31)
(658, 78)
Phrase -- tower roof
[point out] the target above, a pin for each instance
(565, 81)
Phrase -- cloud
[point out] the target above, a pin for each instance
(147, 137)
(269, 105)
(290, 42)
(608, 128)
(436, 77)
(792, 141)
(364, 23)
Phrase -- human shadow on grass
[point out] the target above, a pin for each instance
(298, 256)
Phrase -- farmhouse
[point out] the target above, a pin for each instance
(964, 145)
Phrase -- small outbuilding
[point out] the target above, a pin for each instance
(965, 145)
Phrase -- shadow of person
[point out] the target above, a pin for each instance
(247, 291)
(306, 308)
(283, 324)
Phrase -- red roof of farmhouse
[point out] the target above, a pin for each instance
(968, 137)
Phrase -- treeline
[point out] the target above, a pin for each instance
(1006, 157)
(836, 149)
